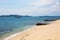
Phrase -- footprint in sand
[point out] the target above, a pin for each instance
(27, 35)
(49, 39)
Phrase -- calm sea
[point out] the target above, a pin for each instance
(11, 25)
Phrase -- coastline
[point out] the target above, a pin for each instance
(11, 36)
(24, 35)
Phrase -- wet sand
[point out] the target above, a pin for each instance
(44, 32)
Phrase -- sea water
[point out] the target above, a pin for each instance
(11, 25)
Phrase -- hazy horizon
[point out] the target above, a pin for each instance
(30, 7)
(28, 15)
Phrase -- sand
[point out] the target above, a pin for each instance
(44, 32)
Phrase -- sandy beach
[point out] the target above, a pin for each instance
(45, 32)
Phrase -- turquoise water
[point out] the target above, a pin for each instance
(11, 25)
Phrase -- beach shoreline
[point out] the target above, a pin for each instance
(24, 35)
(24, 31)
(15, 34)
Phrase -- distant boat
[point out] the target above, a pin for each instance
(17, 16)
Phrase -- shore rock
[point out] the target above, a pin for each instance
(49, 20)
(41, 24)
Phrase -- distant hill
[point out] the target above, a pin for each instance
(16, 16)
(25, 16)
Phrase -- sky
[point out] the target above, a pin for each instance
(30, 7)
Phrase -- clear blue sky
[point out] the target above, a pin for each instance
(30, 7)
